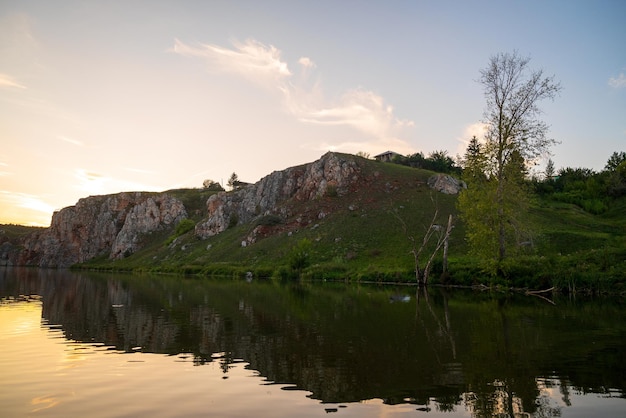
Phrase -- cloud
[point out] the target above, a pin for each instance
(97, 184)
(139, 170)
(359, 109)
(251, 59)
(16, 207)
(6, 81)
(306, 62)
(70, 140)
(4, 173)
(618, 82)
(477, 129)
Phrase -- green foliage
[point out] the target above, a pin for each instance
(269, 220)
(299, 257)
(212, 185)
(494, 204)
(494, 210)
(591, 191)
(616, 160)
(438, 161)
(184, 226)
(233, 220)
(331, 191)
(366, 243)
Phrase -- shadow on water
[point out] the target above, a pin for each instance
(486, 351)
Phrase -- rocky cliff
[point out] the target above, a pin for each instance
(99, 225)
(332, 173)
(115, 225)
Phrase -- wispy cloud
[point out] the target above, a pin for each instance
(17, 207)
(139, 170)
(6, 81)
(306, 62)
(250, 59)
(618, 82)
(95, 183)
(359, 108)
(3, 171)
(70, 140)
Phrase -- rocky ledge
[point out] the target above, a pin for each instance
(99, 225)
(114, 225)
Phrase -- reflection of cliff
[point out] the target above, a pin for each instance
(346, 343)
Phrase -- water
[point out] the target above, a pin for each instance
(103, 345)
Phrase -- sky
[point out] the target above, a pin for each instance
(102, 97)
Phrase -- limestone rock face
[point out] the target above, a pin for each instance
(148, 216)
(99, 225)
(446, 184)
(331, 174)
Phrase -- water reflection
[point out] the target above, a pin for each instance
(458, 354)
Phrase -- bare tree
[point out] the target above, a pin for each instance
(419, 246)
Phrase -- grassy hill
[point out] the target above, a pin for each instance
(357, 237)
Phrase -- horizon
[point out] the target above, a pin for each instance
(101, 98)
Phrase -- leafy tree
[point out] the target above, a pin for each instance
(438, 161)
(616, 174)
(441, 162)
(550, 170)
(615, 160)
(212, 185)
(515, 135)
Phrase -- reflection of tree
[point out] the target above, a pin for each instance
(444, 331)
(503, 402)
(347, 344)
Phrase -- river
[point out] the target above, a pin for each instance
(106, 345)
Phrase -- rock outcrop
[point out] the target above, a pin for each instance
(283, 201)
(99, 225)
(331, 174)
(445, 183)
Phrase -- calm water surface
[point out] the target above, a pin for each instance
(113, 346)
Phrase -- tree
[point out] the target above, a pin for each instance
(615, 160)
(212, 185)
(615, 170)
(441, 162)
(515, 135)
(550, 170)
(418, 247)
(233, 181)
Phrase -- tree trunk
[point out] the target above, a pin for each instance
(445, 245)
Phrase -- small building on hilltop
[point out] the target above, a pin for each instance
(386, 156)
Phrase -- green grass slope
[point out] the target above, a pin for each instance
(355, 236)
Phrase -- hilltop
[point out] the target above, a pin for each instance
(340, 214)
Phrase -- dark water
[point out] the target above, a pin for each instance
(114, 345)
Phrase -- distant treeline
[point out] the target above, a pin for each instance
(590, 190)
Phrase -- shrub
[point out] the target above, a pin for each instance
(234, 220)
(269, 220)
(184, 226)
(299, 258)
